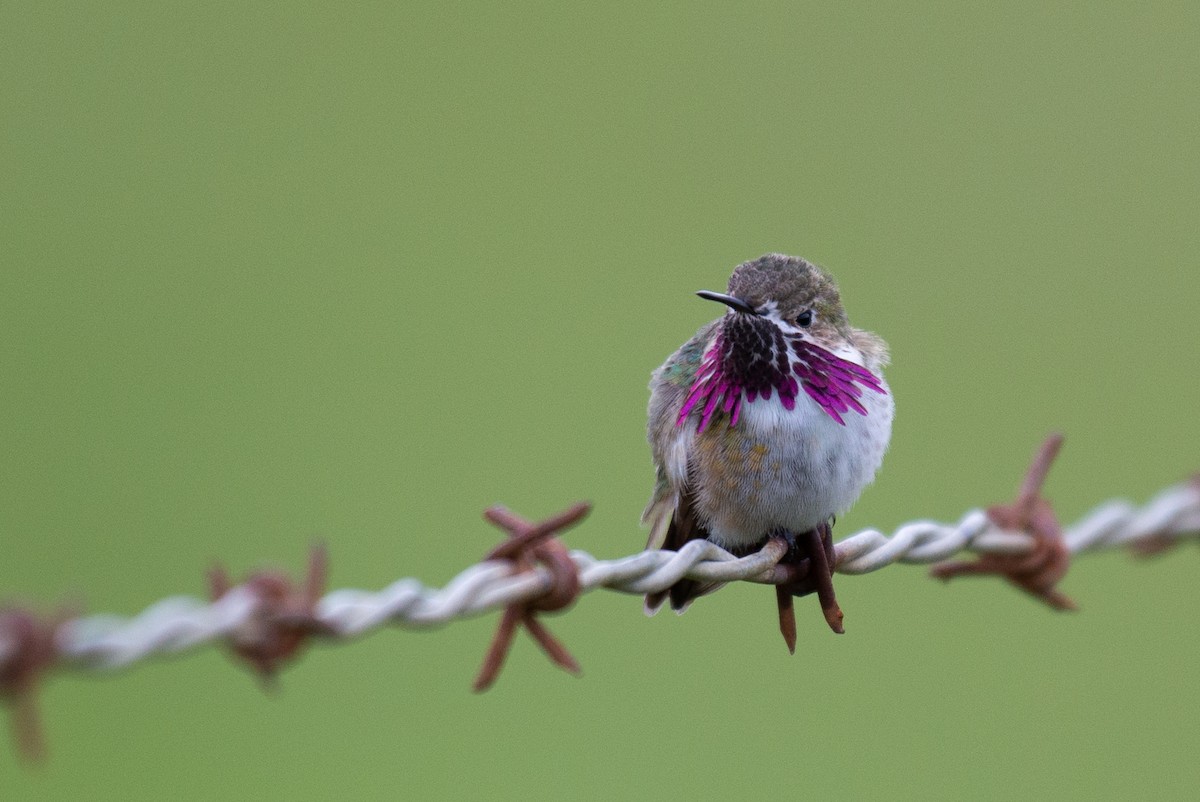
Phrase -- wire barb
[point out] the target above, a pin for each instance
(284, 617)
(1039, 570)
(29, 642)
(529, 544)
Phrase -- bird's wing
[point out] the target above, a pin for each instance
(670, 514)
(657, 514)
(669, 442)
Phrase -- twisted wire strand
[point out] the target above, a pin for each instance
(172, 625)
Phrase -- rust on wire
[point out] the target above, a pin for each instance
(285, 619)
(530, 544)
(1153, 545)
(31, 651)
(1038, 571)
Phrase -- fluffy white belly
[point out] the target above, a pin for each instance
(786, 469)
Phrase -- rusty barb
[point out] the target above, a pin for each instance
(533, 544)
(31, 646)
(1039, 570)
(283, 621)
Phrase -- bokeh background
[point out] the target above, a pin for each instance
(274, 273)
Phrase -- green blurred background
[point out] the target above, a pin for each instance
(274, 273)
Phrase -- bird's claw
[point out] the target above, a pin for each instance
(806, 567)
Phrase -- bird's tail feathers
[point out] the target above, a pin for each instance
(658, 517)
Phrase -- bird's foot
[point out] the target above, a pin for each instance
(806, 568)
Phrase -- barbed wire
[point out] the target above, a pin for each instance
(175, 624)
(268, 618)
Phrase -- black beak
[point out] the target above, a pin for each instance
(736, 304)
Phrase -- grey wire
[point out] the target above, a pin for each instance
(106, 642)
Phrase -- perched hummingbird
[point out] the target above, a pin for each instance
(767, 423)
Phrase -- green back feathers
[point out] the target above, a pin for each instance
(681, 369)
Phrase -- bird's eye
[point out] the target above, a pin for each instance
(805, 319)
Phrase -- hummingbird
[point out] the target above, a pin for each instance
(767, 423)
